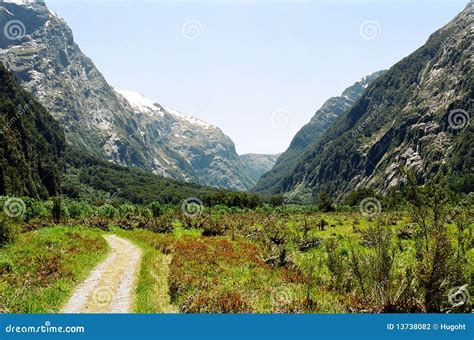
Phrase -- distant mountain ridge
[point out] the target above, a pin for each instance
(109, 124)
(258, 164)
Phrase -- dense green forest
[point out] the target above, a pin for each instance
(31, 143)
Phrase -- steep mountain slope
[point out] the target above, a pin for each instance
(310, 134)
(258, 164)
(417, 116)
(31, 143)
(39, 48)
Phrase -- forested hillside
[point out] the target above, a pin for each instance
(31, 143)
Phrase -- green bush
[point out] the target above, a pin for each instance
(78, 209)
(126, 210)
(106, 211)
(156, 209)
(34, 209)
(8, 232)
(57, 210)
(145, 212)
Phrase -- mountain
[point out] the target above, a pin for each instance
(416, 116)
(258, 164)
(35, 160)
(310, 134)
(31, 143)
(120, 126)
(192, 150)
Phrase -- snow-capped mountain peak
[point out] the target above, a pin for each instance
(139, 102)
(142, 104)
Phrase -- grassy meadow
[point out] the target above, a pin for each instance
(40, 269)
(270, 259)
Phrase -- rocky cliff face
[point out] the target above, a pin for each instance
(310, 134)
(39, 48)
(415, 116)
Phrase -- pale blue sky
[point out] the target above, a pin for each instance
(251, 58)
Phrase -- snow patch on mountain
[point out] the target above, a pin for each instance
(20, 2)
(189, 119)
(139, 102)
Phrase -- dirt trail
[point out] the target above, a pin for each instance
(110, 286)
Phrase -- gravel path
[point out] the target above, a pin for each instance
(110, 286)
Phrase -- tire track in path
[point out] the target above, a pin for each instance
(111, 284)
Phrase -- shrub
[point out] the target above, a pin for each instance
(106, 211)
(156, 209)
(164, 225)
(434, 251)
(145, 212)
(369, 237)
(126, 210)
(307, 242)
(34, 208)
(8, 232)
(212, 227)
(57, 210)
(336, 263)
(190, 222)
(79, 209)
(325, 202)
